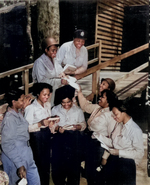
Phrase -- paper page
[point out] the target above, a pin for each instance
(23, 182)
(75, 85)
(69, 67)
(54, 119)
(67, 127)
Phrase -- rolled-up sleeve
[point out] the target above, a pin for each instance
(9, 137)
(85, 104)
(29, 112)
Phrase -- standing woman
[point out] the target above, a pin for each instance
(74, 53)
(37, 115)
(17, 157)
(126, 142)
(67, 142)
(45, 68)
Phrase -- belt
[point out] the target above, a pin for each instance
(23, 143)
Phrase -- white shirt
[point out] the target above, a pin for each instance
(34, 113)
(73, 116)
(100, 122)
(128, 139)
(67, 55)
(104, 123)
(45, 71)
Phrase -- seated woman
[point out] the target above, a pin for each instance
(106, 83)
(17, 155)
(37, 115)
(98, 123)
(67, 142)
(126, 143)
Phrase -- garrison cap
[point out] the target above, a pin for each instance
(80, 34)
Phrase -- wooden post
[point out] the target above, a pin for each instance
(99, 59)
(26, 80)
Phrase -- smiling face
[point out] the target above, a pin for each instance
(66, 103)
(104, 85)
(117, 115)
(78, 42)
(43, 96)
(103, 101)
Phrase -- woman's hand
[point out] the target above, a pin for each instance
(69, 72)
(64, 82)
(114, 152)
(27, 101)
(61, 130)
(21, 172)
(62, 75)
(77, 127)
(45, 122)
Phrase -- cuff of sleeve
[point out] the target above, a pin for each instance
(18, 165)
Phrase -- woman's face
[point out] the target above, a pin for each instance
(19, 103)
(118, 116)
(78, 42)
(103, 85)
(103, 101)
(51, 52)
(66, 103)
(43, 96)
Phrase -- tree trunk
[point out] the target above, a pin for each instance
(148, 141)
(48, 19)
(29, 30)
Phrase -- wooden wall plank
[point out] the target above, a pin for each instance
(108, 34)
(109, 26)
(110, 18)
(111, 43)
(109, 39)
(112, 22)
(117, 32)
(111, 47)
(111, 51)
(115, 6)
(106, 7)
(113, 14)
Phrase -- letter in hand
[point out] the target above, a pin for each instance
(21, 172)
(76, 127)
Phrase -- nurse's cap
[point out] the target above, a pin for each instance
(62, 93)
(81, 34)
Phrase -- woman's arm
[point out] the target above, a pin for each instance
(85, 104)
(137, 150)
(9, 137)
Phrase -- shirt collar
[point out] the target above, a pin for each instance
(128, 123)
(105, 109)
(38, 104)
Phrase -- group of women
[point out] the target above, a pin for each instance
(110, 142)
(69, 142)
